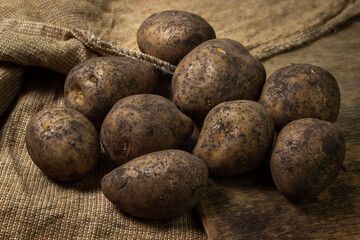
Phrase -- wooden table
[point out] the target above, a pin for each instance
(250, 207)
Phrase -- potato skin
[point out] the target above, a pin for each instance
(63, 143)
(307, 158)
(159, 185)
(93, 86)
(216, 71)
(141, 124)
(170, 35)
(235, 138)
(301, 91)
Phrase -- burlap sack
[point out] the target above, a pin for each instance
(57, 35)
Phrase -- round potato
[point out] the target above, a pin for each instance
(158, 185)
(141, 124)
(93, 86)
(63, 143)
(170, 35)
(235, 138)
(301, 91)
(307, 158)
(216, 71)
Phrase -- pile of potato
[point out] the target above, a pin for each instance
(218, 85)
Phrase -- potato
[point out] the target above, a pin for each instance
(307, 158)
(170, 35)
(216, 71)
(159, 185)
(95, 85)
(235, 138)
(141, 124)
(301, 91)
(62, 143)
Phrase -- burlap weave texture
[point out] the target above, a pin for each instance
(59, 34)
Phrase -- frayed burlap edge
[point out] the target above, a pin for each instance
(104, 48)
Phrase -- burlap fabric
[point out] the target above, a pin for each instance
(56, 35)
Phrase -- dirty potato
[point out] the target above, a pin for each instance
(95, 85)
(307, 158)
(141, 124)
(301, 91)
(216, 71)
(235, 138)
(170, 35)
(159, 185)
(62, 143)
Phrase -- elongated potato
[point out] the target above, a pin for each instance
(235, 138)
(306, 158)
(141, 124)
(158, 185)
(62, 143)
(95, 85)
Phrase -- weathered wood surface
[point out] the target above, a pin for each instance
(250, 207)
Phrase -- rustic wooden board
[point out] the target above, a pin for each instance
(250, 207)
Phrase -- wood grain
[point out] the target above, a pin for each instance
(250, 207)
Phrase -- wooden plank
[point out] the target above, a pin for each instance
(250, 207)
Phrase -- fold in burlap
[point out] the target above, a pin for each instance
(59, 34)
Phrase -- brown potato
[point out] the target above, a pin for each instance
(141, 124)
(63, 143)
(170, 35)
(307, 158)
(158, 185)
(301, 91)
(216, 71)
(235, 138)
(95, 85)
